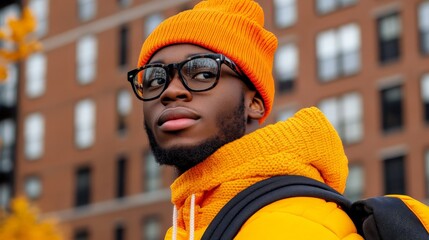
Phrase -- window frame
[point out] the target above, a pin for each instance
(86, 59)
(36, 71)
(423, 30)
(332, 50)
(34, 136)
(387, 176)
(387, 127)
(385, 55)
(288, 83)
(85, 109)
(83, 193)
(282, 9)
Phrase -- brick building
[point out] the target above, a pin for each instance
(72, 132)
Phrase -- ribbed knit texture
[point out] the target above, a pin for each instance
(305, 145)
(234, 28)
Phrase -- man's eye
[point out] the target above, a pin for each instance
(204, 76)
(157, 82)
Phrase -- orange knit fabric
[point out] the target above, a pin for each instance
(234, 28)
(305, 145)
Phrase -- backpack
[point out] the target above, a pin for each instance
(392, 217)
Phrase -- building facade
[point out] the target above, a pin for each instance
(74, 141)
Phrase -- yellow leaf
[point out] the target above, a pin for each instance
(23, 224)
(3, 77)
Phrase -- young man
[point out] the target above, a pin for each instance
(205, 76)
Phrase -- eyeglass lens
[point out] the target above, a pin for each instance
(197, 74)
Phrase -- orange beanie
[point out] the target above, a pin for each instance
(234, 28)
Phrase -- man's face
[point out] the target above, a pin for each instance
(186, 127)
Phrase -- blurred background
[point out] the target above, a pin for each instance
(72, 139)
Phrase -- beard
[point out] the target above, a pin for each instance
(230, 128)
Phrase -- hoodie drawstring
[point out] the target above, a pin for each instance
(191, 220)
(174, 223)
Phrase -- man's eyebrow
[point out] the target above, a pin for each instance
(157, 61)
(195, 54)
(186, 57)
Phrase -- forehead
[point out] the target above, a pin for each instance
(177, 52)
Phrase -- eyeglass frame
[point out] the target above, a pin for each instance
(219, 58)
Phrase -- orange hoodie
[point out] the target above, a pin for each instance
(305, 145)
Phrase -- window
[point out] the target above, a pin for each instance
(7, 145)
(7, 132)
(338, 52)
(389, 32)
(424, 27)
(83, 186)
(35, 75)
(151, 229)
(285, 12)
(345, 114)
(33, 187)
(152, 177)
(152, 22)
(355, 183)
(5, 194)
(120, 232)
(86, 9)
(34, 132)
(6, 13)
(123, 46)
(81, 234)
(8, 89)
(123, 109)
(394, 175)
(425, 96)
(327, 6)
(86, 53)
(286, 67)
(40, 9)
(391, 108)
(121, 173)
(6, 163)
(84, 123)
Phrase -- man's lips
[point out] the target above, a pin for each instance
(178, 118)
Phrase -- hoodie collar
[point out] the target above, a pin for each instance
(306, 145)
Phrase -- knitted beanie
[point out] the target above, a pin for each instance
(234, 28)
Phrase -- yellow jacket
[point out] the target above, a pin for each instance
(305, 145)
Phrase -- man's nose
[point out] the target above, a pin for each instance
(175, 90)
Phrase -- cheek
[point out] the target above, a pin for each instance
(148, 113)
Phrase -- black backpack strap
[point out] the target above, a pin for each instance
(388, 218)
(235, 213)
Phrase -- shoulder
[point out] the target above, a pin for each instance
(299, 217)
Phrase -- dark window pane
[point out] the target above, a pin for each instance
(123, 46)
(83, 187)
(389, 31)
(391, 105)
(119, 233)
(426, 109)
(389, 50)
(424, 42)
(120, 181)
(394, 175)
(81, 234)
(285, 85)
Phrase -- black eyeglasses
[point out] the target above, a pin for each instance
(198, 73)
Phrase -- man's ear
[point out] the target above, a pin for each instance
(255, 106)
